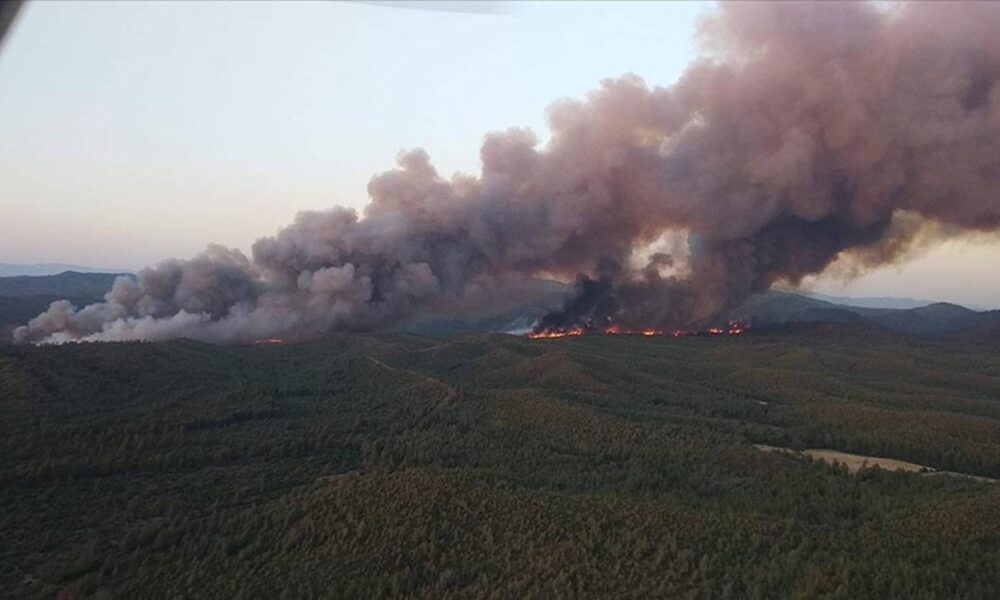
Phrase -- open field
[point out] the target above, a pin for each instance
(853, 462)
(391, 465)
(857, 462)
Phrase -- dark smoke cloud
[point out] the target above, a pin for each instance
(804, 134)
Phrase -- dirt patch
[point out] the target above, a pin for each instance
(856, 462)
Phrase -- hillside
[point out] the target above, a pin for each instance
(66, 284)
(19, 310)
(866, 302)
(940, 319)
(524, 301)
(23, 297)
(43, 269)
(399, 465)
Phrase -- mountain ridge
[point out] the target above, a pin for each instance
(42, 269)
(24, 296)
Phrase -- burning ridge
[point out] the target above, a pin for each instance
(731, 328)
(804, 134)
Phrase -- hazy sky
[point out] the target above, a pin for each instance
(131, 132)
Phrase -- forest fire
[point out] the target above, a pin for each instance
(731, 328)
(555, 333)
(618, 330)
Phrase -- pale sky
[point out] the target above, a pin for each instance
(131, 132)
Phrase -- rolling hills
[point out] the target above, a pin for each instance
(939, 319)
(66, 284)
(389, 465)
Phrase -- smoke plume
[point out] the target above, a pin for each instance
(804, 133)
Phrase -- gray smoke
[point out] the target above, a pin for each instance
(805, 133)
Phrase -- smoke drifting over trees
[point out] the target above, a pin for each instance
(805, 133)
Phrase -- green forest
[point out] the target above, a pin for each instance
(490, 466)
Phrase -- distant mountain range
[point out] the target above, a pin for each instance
(23, 297)
(38, 269)
(873, 301)
(67, 283)
(932, 320)
(864, 302)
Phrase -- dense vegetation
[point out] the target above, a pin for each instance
(491, 466)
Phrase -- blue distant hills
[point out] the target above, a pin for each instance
(38, 269)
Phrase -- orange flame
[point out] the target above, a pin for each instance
(732, 328)
(618, 330)
(573, 331)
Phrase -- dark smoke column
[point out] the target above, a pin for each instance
(9, 10)
(815, 132)
(806, 133)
